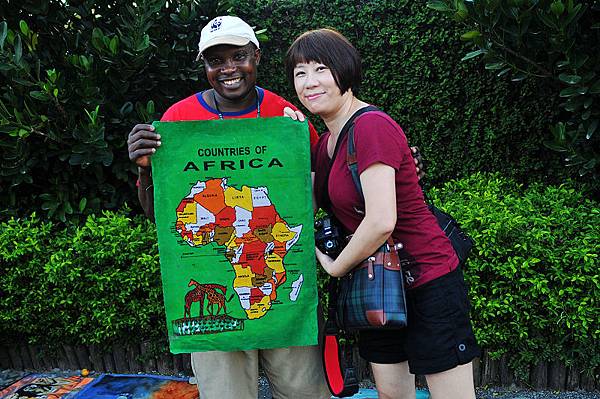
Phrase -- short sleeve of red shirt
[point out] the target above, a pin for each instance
(379, 139)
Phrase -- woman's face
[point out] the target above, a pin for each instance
(316, 88)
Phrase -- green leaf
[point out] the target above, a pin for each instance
(18, 49)
(114, 42)
(592, 128)
(85, 62)
(546, 20)
(82, 204)
(573, 91)
(68, 208)
(39, 95)
(557, 8)
(495, 65)
(438, 5)
(24, 27)
(519, 76)
(3, 33)
(559, 132)
(473, 34)
(569, 79)
(473, 54)
(48, 205)
(150, 109)
(126, 108)
(504, 71)
(97, 38)
(554, 147)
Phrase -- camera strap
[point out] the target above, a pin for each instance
(338, 365)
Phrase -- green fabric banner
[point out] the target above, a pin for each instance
(233, 207)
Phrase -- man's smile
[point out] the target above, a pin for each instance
(230, 81)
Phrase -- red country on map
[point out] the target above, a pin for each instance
(255, 237)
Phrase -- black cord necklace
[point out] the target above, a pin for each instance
(221, 114)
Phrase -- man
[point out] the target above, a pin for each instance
(231, 54)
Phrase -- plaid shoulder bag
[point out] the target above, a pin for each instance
(372, 295)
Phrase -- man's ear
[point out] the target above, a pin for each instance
(257, 56)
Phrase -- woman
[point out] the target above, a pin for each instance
(326, 71)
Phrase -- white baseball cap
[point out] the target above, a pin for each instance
(226, 30)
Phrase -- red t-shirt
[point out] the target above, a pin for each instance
(194, 108)
(379, 139)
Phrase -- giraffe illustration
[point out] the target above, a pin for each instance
(212, 294)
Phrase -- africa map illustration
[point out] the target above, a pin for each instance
(255, 239)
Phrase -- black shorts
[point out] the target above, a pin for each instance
(438, 337)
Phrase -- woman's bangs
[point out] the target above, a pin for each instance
(307, 51)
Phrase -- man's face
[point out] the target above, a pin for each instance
(231, 70)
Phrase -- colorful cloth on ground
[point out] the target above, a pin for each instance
(9, 377)
(138, 386)
(234, 218)
(40, 386)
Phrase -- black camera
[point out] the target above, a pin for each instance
(328, 236)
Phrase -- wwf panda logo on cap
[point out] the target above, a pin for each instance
(215, 24)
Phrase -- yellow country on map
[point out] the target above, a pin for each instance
(281, 232)
(259, 309)
(243, 276)
(241, 198)
(275, 262)
(188, 215)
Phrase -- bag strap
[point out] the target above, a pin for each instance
(348, 127)
(353, 165)
(351, 153)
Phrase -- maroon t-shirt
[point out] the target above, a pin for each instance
(379, 139)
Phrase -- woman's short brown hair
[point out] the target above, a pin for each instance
(330, 48)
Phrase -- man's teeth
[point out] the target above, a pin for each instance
(231, 81)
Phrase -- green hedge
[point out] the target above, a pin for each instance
(94, 284)
(534, 275)
(76, 76)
